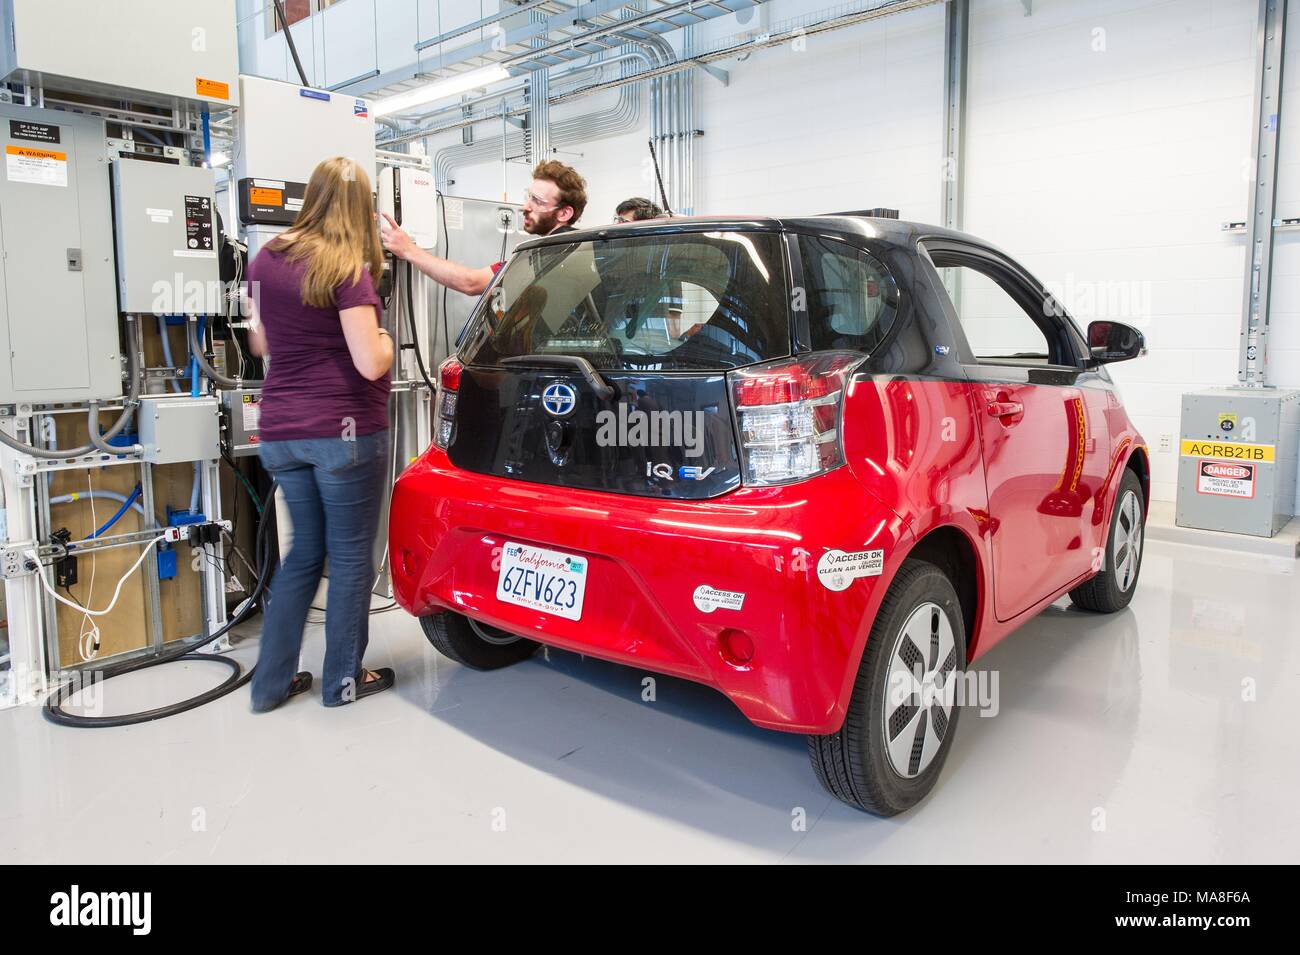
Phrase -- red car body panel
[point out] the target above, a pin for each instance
(906, 476)
(1025, 472)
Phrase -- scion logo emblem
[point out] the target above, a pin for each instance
(559, 399)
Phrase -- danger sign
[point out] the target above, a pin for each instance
(1224, 479)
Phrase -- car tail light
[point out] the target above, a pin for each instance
(789, 416)
(445, 402)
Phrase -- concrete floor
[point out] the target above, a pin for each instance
(1118, 739)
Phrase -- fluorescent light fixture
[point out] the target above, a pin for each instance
(217, 159)
(439, 89)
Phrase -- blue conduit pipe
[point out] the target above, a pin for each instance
(194, 367)
(126, 506)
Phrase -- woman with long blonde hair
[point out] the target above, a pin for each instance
(324, 428)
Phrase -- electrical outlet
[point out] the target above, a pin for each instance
(12, 564)
(1166, 443)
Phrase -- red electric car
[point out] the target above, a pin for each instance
(819, 464)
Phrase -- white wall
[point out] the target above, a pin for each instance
(1107, 141)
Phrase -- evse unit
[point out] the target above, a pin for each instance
(409, 196)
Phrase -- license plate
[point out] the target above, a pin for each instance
(540, 579)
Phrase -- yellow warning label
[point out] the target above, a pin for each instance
(42, 167)
(28, 153)
(1228, 450)
(265, 197)
(211, 88)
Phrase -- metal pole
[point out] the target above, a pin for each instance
(1252, 360)
(956, 43)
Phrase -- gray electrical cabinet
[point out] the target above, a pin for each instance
(159, 51)
(478, 232)
(1237, 460)
(58, 313)
(166, 224)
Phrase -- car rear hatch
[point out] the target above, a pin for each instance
(602, 363)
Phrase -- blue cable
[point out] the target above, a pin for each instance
(126, 506)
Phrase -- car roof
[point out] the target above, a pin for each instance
(897, 232)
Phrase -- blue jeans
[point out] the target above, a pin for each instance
(334, 489)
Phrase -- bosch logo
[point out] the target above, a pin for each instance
(559, 399)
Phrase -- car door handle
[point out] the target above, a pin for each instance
(1005, 409)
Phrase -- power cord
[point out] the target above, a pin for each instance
(55, 702)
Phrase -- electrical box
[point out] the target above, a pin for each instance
(153, 51)
(283, 132)
(1237, 460)
(177, 428)
(479, 232)
(58, 314)
(165, 219)
(409, 196)
(243, 408)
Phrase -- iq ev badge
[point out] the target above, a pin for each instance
(559, 399)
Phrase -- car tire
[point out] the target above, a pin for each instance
(1113, 588)
(858, 764)
(473, 644)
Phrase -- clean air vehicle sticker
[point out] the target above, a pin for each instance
(707, 599)
(838, 569)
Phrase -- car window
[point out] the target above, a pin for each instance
(852, 298)
(674, 302)
(999, 326)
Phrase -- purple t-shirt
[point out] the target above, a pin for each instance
(312, 389)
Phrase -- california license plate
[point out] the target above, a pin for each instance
(540, 579)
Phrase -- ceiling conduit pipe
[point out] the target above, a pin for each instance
(623, 117)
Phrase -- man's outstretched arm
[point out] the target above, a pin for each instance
(459, 278)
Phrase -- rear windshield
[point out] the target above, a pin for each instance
(681, 302)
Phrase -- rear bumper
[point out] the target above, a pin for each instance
(646, 558)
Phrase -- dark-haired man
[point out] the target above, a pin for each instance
(636, 209)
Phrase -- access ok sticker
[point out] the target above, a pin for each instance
(838, 569)
(708, 599)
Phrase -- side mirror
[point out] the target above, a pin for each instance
(1114, 341)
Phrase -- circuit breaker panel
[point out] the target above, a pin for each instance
(167, 242)
(58, 318)
(1237, 460)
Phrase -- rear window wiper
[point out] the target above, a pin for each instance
(603, 389)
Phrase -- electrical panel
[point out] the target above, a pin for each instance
(178, 428)
(409, 196)
(58, 316)
(283, 131)
(1237, 460)
(156, 51)
(167, 242)
(243, 420)
(478, 231)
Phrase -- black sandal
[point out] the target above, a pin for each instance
(384, 680)
(300, 683)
